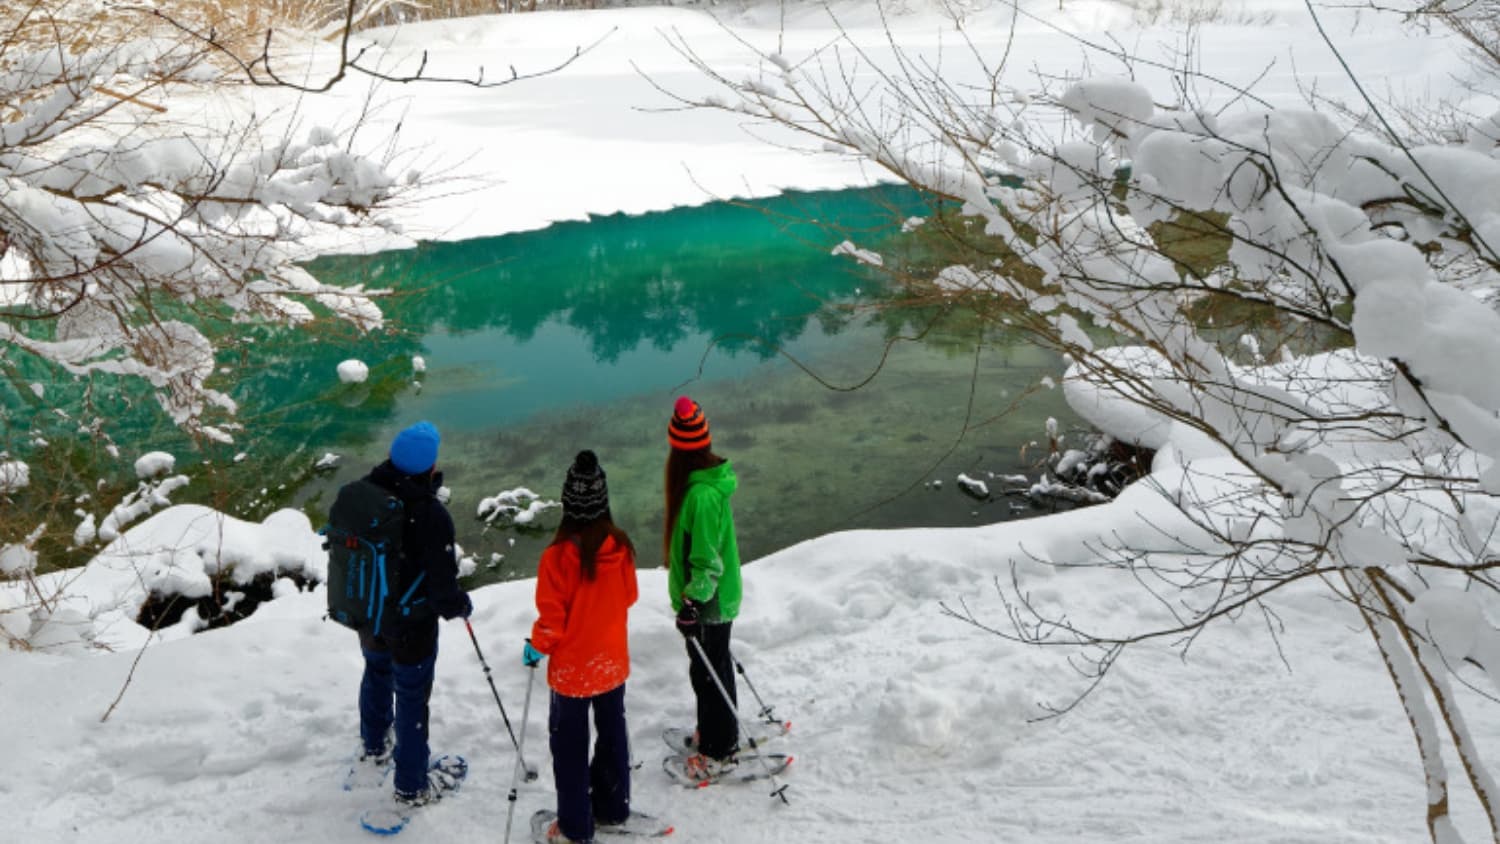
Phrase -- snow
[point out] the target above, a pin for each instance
(894, 730)
(14, 475)
(518, 506)
(529, 154)
(86, 532)
(180, 550)
(1452, 618)
(147, 497)
(1112, 106)
(353, 371)
(863, 256)
(16, 559)
(154, 463)
(907, 720)
(973, 486)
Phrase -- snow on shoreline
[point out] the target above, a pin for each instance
(181, 550)
(593, 139)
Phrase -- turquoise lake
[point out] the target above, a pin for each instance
(581, 335)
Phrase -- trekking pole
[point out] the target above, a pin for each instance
(765, 710)
(530, 771)
(779, 790)
(510, 813)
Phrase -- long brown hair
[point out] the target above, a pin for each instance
(590, 536)
(680, 464)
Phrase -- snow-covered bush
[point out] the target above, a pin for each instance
(148, 211)
(1353, 445)
(35, 608)
(519, 507)
(133, 234)
(1093, 474)
(128, 227)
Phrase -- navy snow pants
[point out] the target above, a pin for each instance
(399, 671)
(597, 789)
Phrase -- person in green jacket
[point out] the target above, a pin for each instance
(703, 578)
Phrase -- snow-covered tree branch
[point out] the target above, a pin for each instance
(1296, 313)
(121, 216)
(154, 197)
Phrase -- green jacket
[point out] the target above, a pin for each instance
(705, 558)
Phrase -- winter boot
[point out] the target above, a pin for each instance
(382, 755)
(445, 775)
(706, 768)
(555, 836)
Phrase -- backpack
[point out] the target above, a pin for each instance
(364, 560)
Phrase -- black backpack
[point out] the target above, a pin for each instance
(364, 560)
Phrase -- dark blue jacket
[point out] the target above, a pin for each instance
(427, 542)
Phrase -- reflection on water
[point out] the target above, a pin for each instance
(580, 336)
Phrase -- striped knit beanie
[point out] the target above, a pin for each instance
(585, 496)
(688, 430)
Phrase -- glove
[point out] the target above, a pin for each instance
(689, 619)
(462, 608)
(531, 657)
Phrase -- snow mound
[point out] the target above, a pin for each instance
(973, 486)
(18, 558)
(184, 550)
(14, 475)
(518, 506)
(154, 463)
(864, 256)
(1111, 105)
(353, 371)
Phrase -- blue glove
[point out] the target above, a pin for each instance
(530, 657)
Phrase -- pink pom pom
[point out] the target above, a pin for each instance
(685, 407)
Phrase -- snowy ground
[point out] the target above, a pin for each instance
(910, 727)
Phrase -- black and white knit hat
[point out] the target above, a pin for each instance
(585, 496)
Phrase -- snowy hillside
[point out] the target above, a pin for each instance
(605, 135)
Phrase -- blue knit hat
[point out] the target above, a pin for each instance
(415, 449)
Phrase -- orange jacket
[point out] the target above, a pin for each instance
(580, 624)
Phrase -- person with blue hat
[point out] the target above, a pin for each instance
(401, 660)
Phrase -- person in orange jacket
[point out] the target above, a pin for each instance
(585, 587)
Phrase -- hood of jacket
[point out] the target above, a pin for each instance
(720, 477)
(611, 552)
(407, 487)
